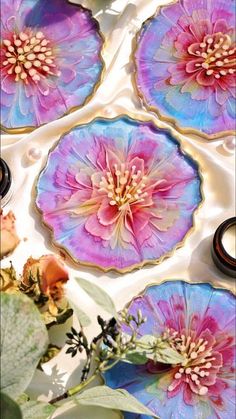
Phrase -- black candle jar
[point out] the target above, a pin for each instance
(5, 182)
(223, 260)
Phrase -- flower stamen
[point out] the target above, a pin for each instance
(214, 49)
(124, 186)
(28, 51)
(198, 361)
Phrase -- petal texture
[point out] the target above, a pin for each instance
(118, 193)
(185, 64)
(190, 311)
(50, 60)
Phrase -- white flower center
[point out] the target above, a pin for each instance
(29, 57)
(218, 55)
(124, 186)
(198, 360)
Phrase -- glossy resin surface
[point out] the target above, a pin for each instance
(118, 193)
(186, 65)
(199, 321)
(50, 61)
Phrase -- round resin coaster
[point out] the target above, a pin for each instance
(198, 321)
(186, 65)
(118, 193)
(50, 61)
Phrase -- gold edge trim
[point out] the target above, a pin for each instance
(28, 129)
(164, 118)
(163, 281)
(132, 116)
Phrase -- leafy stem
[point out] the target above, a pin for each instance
(113, 345)
(109, 345)
(78, 388)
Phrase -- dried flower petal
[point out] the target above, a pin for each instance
(50, 274)
(9, 237)
(8, 280)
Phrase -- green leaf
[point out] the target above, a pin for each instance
(149, 340)
(112, 399)
(37, 410)
(72, 411)
(81, 316)
(100, 296)
(139, 355)
(91, 412)
(24, 339)
(9, 408)
(168, 356)
(158, 350)
(134, 357)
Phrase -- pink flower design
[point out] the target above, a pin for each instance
(186, 64)
(206, 59)
(203, 351)
(50, 60)
(199, 322)
(127, 191)
(122, 197)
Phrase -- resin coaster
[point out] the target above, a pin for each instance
(185, 61)
(50, 61)
(118, 193)
(199, 322)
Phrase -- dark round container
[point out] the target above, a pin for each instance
(5, 182)
(223, 260)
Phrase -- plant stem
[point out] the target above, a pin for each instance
(111, 365)
(107, 363)
(77, 389)
(74, 390)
